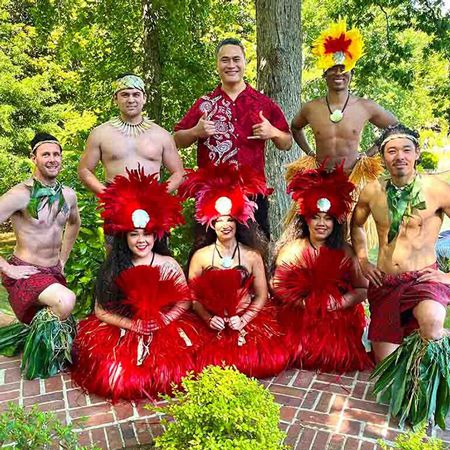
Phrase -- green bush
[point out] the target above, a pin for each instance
(221, 410)
(31, 429)
(429, 161)
(411, 440)
(89, 250)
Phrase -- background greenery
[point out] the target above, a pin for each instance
(58, 58)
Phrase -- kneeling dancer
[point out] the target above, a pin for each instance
(139, 341)
(227, 273)
(408, 295)
(317, 279)
(45, 219)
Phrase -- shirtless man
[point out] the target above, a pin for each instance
(337, 120)
(338, 141)
(406, 291)
(46, 221)
(128, 141)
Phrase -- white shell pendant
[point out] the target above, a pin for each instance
(227, 262)
(336, 116)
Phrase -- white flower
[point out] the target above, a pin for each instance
(140, 218)
(323, 205)
(223, 206)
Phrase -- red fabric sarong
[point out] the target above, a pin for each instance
(24, 293)
(391, 305)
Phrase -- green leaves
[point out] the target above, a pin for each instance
(221, 410)
(415, 380)
(48, 345)
(414, 440)
(30, 429)
(12, 338)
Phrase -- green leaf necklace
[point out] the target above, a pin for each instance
(401, 202)
(43, 195)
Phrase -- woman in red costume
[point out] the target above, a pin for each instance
(227, 274)
(139, 340)
(317, 280)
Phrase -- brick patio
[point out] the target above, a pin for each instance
(319, 411)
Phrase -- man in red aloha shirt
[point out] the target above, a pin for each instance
(233, 122)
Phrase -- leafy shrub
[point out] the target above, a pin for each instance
(32, 429)
(411, 440)
(89, 250)
(221, 410)
(429, 161)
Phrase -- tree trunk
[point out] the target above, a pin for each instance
(152, 59)
(278, 32)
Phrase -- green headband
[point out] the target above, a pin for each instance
(128, 82)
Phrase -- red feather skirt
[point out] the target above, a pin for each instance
(258, 349)
(106, 357)
(329, 341)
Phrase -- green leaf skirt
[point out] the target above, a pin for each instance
(46, 344)
(415, 381)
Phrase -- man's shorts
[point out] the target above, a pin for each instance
(24, 293)
(391, 305)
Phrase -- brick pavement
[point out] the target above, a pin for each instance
(318, 411)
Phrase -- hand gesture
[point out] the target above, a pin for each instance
(144, 327)
(204, 127)
(437, 276)
(19, 272)
(235, 323)
(333, 304)
(263, 130)
(216, 323)
(372, 273)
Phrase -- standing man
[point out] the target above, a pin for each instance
(406, 291)
(338, 119)
(232, 123)
(46, 221)
(129, 140)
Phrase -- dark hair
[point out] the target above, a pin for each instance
(230, 41)
(107, 294)
(251, 236)
(334, 240)
(298, 229)
(40, 137)
(398, 128)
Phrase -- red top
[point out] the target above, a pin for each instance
(234, 121)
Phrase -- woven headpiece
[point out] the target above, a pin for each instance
(223, 190)
(139, 201)
(318, 190)
(128, 82)
(337, 46)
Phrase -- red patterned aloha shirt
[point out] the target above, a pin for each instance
(234, 121)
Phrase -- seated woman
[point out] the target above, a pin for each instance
(317, 278)
(136, 344)
(227, 275)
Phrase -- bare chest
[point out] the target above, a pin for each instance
(117, 147)
(349, 127)
(48, 222)
(415, 223)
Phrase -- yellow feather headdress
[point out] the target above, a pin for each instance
(337, 46)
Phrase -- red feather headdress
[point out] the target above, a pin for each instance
(139, 201)
(319, 190)
(224, 189)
